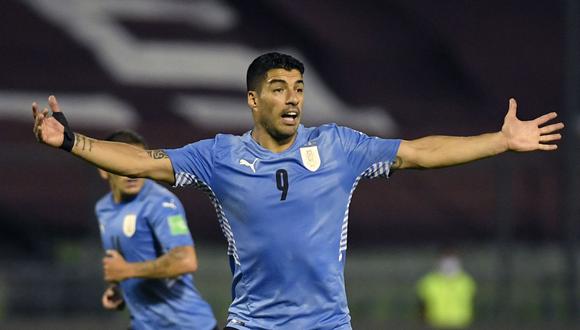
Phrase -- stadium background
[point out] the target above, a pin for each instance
(174, 71)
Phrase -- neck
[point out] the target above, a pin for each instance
(119, 197)
(271, 143)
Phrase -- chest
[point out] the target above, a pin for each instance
(301, 177)
(125, 228)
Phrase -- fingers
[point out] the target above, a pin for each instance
(545, 118)
(109, 293)
(110, 300)
(550, 137)
(105, 301)
(551, 128)
(53, 104)
(34, 109)
(112, 253)
(37, 115)
(113, 304)
(547, 147)
(547, 137)
(39, 118)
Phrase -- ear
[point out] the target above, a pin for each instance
(252, 99)
(104, 174)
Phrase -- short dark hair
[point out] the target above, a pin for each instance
(127, 136)
(263, 63)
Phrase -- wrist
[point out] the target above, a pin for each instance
(502, 142)
(68, 141)
(130, 271)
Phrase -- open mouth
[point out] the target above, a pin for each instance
(290, 117)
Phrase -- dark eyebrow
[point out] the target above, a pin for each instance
(273, 81)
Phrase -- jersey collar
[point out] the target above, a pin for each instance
(266, 153)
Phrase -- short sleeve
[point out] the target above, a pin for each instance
(371, 156)
(169, 224)
(106, 242)
(192, 163)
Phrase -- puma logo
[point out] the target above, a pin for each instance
(170, 205)
(250, 165)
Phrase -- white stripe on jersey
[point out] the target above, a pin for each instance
(183, 179)
(380, 169)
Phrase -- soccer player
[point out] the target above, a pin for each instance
(282, 190)
(150, 253)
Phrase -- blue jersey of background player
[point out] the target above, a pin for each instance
(288, 275)
(150, 253)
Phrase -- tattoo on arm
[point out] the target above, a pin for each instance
(164, 265)
(84, 143)
(173, 256)
(157, 154)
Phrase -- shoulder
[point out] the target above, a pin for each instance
(333, 128)
(201, 144)
(324, 128)
(337, 134)
(330, 129)
(158, 198)
(429, 278)
(218, 142)
(155, 192)
(103, 203)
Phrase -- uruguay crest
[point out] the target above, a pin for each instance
(129, 224)
(310, 158)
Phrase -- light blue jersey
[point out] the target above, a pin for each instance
(285, 217)
(144, 229)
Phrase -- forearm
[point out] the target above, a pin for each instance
(176, 262)
(443, 151)
(120, 158)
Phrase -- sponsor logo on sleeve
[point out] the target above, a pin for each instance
(177, 225)
(169, 205)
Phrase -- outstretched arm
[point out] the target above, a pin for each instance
(177, 261)
(515, 135)
(119, 158)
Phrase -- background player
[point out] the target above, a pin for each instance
(282, 191)
(150, 253)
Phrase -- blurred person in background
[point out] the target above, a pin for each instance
(150, 253)
(282, 191)
(447, 293)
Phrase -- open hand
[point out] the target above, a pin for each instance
(46, 128)
(532, 134)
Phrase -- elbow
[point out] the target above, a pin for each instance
(185, 260)
(189, 265)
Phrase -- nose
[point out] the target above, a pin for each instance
(292, 98)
